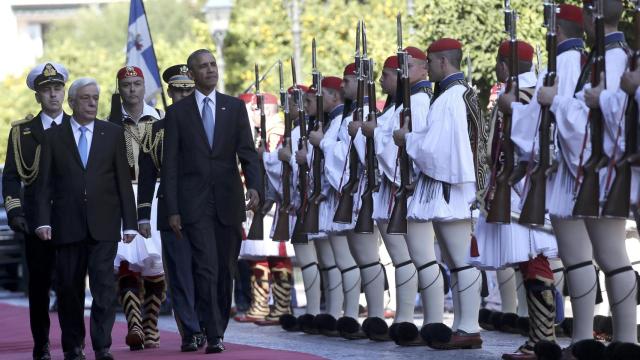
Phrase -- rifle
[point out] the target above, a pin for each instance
(534, 207)
(312, 217)
(398, 219)
(588, 197)
(298, 236)
(617, 198)
(256, 231)
(500, 192)
(281, 231)
(344, 211)
(364, 224)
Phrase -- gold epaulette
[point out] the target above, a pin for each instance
(11, 203)
(26, 119)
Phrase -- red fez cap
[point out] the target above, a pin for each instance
(444, 44)
(570, 13)
(300, 86)
(248, 98)
(129, 71)
(331, 82)
(416, 53)
(270, 99)
(349, 69)
(391, 62)
(525, 51)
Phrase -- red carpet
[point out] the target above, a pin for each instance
(15, 343)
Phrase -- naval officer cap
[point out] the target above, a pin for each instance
(47, 73)
(176, 76)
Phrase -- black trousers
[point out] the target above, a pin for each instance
(177, 261)
(40, 265)
(214, 248)
(74, 261)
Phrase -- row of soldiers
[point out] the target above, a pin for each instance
(508, 192)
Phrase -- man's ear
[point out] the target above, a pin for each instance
(190, 74)
(38, 97)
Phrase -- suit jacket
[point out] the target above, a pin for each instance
(76, 202)
(192, 169)
(20, 197)
(148, 176)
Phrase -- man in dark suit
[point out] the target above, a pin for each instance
(84, 198)
(176, 254)
(206, 134)
(20, 173)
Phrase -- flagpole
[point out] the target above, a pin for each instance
(164, 100)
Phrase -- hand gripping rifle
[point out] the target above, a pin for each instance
(588, 178)
(344, 212)
(398, 218)
(256, 231)
(500, 194)
(364, 224)
(312, 217)
(617, 198)
(534, 207)
(281, 231)
(299, 236)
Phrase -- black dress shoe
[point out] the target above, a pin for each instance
(200, 339)
(215, 347)
(104, 355)
(189, 344)
(75, 354)
(41, 352)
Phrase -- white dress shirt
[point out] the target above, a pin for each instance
(48, 120)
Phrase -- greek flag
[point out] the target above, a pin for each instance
(140, 51)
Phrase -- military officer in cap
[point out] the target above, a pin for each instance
(47, 80)
(180, 85)
(139, 264)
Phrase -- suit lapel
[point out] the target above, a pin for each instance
(37, 130)
(197, 119)
(71, 141)
(96, 140)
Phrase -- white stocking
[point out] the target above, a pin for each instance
(558, 274)
(350, 274)
(574, 248)
(406, 278)
(608, 239)
(420, 241)
(365, 250)
(507, 285)
(455, 240)
(334, 297)
(308, 261)
(521, 292)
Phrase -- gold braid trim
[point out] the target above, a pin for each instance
(151, 143)
(28, 174)
(11, 203)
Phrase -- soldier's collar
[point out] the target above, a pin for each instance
(444, 83)
(570, 44)
(614, 37)
(420, 86)
(337, 111)
(147, 111)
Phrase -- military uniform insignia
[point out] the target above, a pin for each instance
(26, 131)
(11, 203)
(27, 173)
(183, 70)
(130, 72)
(49, 71)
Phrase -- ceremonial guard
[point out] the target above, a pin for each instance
(138, 264)
(445, 153)
(270, 260)
(582, 172)
(20, 172)
(176, 254)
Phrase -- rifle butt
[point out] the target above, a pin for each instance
(588, 200)
(364, 223)
(311, 223)
(256, 230)
(299, 236)
(500, 210)
(344, 211)
(534, 207)
(281, 231)
(618, 199)
(398, 219)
